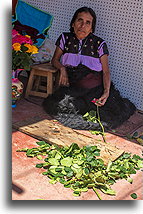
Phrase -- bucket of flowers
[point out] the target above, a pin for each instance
(22, 51)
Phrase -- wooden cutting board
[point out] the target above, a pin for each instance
(54, 133)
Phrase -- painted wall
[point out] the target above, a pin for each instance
(119, 24)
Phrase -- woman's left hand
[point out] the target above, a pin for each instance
(102, 100)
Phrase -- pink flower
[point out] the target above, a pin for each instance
(21, 40)
(14, 33)
(95, 100)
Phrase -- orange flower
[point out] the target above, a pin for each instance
(29, 48)
(16, 46)
(34, 49)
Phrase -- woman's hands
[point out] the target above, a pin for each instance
(63, 80)
(102, 100)
(63, 77)
(106, 81)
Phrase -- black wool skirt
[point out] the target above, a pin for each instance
(69, 104)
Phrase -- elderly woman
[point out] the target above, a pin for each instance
(82, 59)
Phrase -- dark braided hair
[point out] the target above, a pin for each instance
(86, 10)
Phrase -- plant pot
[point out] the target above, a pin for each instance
(17, 90)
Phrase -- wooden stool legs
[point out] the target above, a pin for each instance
(34, 86)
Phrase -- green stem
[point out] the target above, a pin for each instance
(98, 115)
(98, 195)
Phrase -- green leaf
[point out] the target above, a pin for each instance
(73, 147)
(67, 185)
(93, 163)
(46, 159)
(52, 153)
(52, 181)
(134, 195)
(130, 180)
(58, 156)
(62, 180)
(58, 169)
(79, 173)
(97, 153)
(53, 161)
(137, 157)
(29, 151)
(53, 169)
(44, 173)
(108, 191)
(126, 155)
(40, 143)
(89, 158)
(24, 48)
(140, 164)
(86, 115)
(40, 165)
(86, 171)
(22, 150)
(76, 193)
(40, 199)
(85, 189)
(141, 137)
(66, 161)
(109, 166)
(132, 171)
(76, 166)
(79, 162)
(110, 181)
(39, 157)
(135, 134)
(70, 174)
(140, 140)
(67, 169)
(31, 155)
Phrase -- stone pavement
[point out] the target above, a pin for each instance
(29, 183)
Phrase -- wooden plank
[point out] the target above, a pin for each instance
(54, 133)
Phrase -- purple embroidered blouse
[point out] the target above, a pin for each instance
(87, 51)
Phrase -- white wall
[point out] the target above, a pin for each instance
(119, 23)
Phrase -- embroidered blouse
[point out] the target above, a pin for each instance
(87, 51)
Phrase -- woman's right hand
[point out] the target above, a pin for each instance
(63, 77)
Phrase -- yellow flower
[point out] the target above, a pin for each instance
(29, 48)
(16, 46)
(28, 36)
(34, 49)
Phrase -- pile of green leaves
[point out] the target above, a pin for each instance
(82, 168)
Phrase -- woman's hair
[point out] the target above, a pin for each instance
(86, 10)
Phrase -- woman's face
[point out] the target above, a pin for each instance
(83, 25)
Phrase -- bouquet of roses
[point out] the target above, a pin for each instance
(22, 51)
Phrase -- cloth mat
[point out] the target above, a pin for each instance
(31, 16)
(52, 132)
(127, 128)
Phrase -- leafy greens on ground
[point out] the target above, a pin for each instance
(82, 168)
